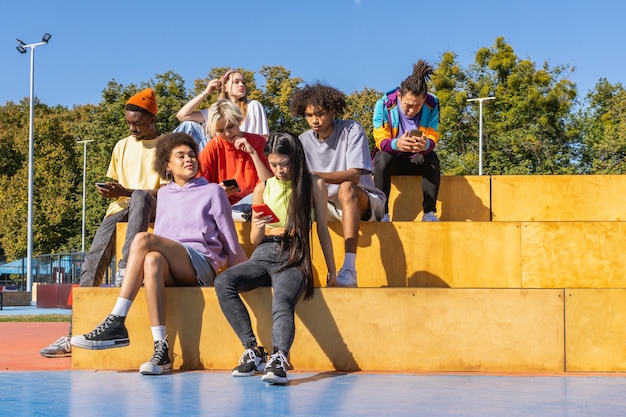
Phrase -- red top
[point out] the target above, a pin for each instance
(220, 160)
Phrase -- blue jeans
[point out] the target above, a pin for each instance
(194, 130)
(260, 271)
(139, 213)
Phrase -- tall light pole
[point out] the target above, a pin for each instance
(84, 142)
(470, 97)
(29, 250)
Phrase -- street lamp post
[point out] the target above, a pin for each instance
(84, 142)
(470, 97)
(29, 250)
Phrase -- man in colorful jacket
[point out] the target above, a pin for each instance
(406, 122)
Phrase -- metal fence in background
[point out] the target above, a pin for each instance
(53, 268)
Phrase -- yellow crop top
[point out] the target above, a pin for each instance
(276, 195)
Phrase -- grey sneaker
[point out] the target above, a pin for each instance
(111, 333)
(59, 349)
(346, 278)
(276, 369)
(430, 217)
(386, 218)
(119, 277)
(251, 361)
(160, 362)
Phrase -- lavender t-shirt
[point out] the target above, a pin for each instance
(344, 149)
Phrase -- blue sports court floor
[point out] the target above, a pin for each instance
(206, 393)
(82, 393)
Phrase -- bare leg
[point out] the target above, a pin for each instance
(354, 204)
(157, 262)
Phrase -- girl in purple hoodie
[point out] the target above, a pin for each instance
(194, 236)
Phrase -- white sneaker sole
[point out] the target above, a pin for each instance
(150, 368)
(81, 342)
(272, 378)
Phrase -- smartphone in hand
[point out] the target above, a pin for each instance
(264, 210)
(417, 133)
(230, 182)
(102, 185)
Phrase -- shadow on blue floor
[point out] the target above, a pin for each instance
(85, 393)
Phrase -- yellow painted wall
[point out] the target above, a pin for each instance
(539, 288)
(595, 337)
(426, 329)
(573, 254)
(461, 198)
(558, 197)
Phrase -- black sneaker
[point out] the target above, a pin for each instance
(251, 361)
(111, 333)
(276, 369)
(160, 362)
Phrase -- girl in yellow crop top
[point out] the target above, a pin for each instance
(282, 258)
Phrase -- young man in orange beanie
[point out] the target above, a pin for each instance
(133, 190)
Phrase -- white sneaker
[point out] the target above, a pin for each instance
(119, 277)
(346, 278)
(430, 217)
(160, 362)
(59, 349)
(386, 218)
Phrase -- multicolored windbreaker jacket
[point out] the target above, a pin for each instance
(386, 110)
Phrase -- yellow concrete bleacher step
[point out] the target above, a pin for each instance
(403, 329)
(477, 254)
(558, 197)
(525, 274)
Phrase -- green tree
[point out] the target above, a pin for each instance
(457, 152)
(279, 86)
(603, 128)
(55, 184)
(525, 128)
(360, 107)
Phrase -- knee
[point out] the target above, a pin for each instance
(433, 160)
(141, 241)
(140, 198)
(152, 261)
(347, 192)
(223, 285)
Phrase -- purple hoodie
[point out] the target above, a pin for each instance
(199, 215)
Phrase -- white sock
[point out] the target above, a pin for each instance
(349, 261)
(122, 305)
(158, 333)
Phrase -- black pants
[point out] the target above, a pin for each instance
(386, 165)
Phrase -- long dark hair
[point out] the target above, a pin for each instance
(298, 226)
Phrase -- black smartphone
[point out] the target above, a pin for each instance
(230, 182)
(102, 185)
(417, 133)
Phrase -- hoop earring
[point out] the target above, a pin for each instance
(168, 176)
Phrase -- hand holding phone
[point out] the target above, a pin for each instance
(416, 133)
(264, 210)
(230, 183)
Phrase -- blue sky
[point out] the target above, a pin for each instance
(349, 44)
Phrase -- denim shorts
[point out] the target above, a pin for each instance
(204, 270)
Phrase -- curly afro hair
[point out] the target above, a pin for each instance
(167, 142)
(326, 97)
